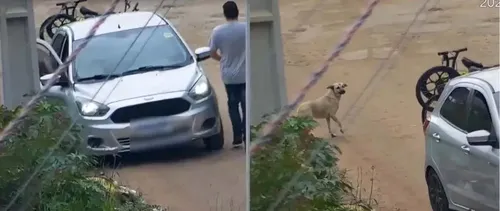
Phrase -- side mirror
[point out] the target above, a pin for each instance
(61, 81)
(54, 91)
(45, 78)
(479, 138)
(202, 53)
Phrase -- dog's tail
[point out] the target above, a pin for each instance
(297, 112)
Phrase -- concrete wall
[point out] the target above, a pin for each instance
(18, 52)
(267, 81)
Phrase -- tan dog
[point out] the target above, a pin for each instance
(326, 106)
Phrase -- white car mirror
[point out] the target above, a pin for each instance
(478, 137)
(202, 53)
(45, 78)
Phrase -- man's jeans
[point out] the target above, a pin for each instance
(235, 99)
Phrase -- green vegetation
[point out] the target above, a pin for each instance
(321, 184)
(64, 181)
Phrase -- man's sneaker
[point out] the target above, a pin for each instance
(237, 143)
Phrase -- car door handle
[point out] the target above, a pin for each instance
(436, 137)
(465, 148)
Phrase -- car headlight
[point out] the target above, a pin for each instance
(91, 108)
(201, 89)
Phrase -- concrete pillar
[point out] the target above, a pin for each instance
(18, 53)
(268, 89)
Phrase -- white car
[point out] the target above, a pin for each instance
(461, 144)
(154, 96)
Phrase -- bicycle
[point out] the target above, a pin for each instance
(445, 72)
(67, 15)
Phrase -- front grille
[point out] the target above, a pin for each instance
(153, 109)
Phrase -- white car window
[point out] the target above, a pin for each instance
(496, 97)
(155, 46)
(46, 61)
(479, 117)
(454, 107)
(57, 43)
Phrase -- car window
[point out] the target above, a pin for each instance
(454, 107)
(65, 50)
(120, 51)
(57, 43)
(46, 60)
(479, 117)
(496, 97)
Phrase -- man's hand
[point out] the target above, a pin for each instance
(215, 56)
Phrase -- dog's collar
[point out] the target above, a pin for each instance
(333, 97)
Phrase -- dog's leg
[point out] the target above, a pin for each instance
(338, 122)
(329, 127)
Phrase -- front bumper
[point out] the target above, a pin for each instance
(202, 120)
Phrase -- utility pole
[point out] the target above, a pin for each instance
(267, 78)
(18, 52)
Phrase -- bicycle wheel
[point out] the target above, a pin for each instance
(428, 107)
(42, 31)
(428, 86)
(57, 21)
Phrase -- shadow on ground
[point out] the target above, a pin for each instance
(194, 151)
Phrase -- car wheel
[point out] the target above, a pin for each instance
(437, 195)
(215, 142)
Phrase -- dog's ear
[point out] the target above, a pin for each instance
(330, 87)
(344, 85)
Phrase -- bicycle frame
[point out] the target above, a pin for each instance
(68, 10)
(445, 59)
(127, 6)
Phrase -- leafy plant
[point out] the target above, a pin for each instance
(320, 185)
(59, 182)
(27, 147)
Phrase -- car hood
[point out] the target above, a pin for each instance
(139, 85)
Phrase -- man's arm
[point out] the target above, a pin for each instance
(215, 55)
(214, 47)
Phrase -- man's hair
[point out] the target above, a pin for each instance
(230, 10)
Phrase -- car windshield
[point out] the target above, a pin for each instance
(107, 54)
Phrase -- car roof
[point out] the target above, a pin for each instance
(116, 22)
(490, 76)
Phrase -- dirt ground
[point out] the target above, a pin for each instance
(386, 133)
(183, 179)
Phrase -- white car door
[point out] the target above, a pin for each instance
(48, 60)
(484, 159)
(447, 134)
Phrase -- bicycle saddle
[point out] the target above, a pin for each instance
(469, 63)
(87, 11)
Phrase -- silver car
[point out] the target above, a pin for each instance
(136, 85)
(461, 165)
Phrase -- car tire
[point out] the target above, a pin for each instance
(215, 142)
(437, 195)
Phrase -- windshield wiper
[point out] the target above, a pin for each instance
(151, 68)
(99, 77)
(132, 71)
